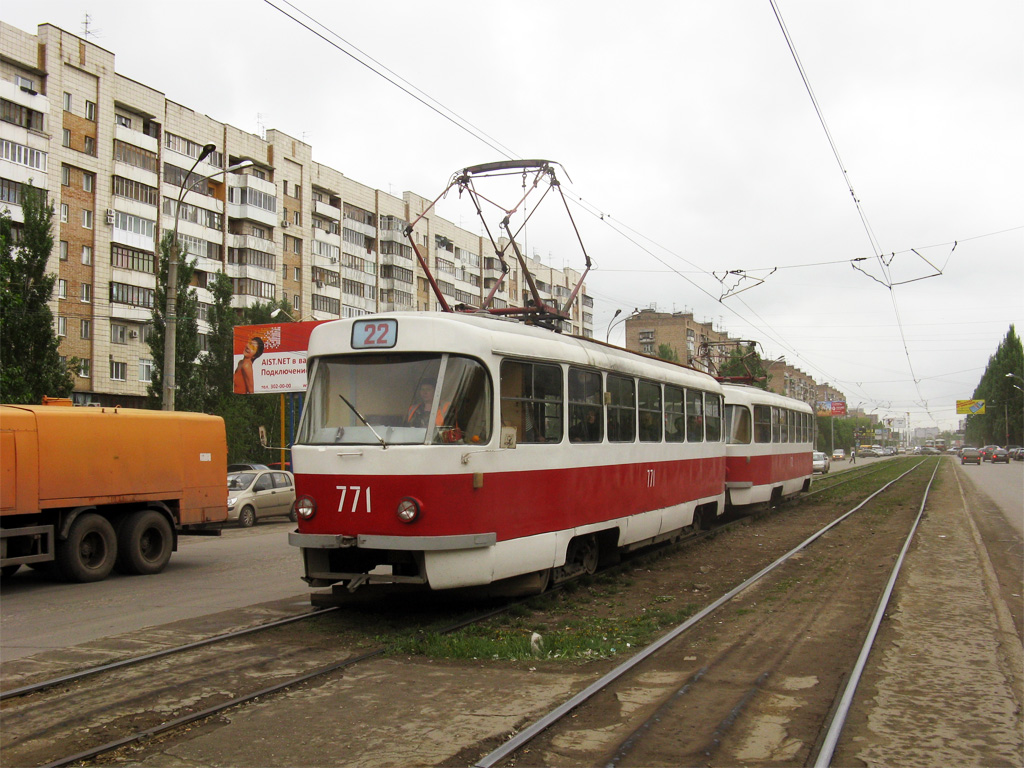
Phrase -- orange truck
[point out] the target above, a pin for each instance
(84, 490)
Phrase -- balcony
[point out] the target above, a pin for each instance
(326, 210)
(137, 138)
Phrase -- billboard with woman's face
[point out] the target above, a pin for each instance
(271, 358)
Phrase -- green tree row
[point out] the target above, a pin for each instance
(31, 366)
(1001, 388)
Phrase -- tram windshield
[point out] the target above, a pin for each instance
(401, 399)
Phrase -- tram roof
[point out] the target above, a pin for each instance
(481, 333)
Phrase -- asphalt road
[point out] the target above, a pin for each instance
(1004, 484)
(206, 575)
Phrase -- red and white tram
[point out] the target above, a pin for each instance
(450, 450)
(769, 440)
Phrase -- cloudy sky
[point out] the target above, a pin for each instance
(691, 149)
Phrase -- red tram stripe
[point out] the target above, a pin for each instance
(510, 504)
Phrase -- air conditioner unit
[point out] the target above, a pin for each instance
(334, 259)
(133, 334)
(110, 215)
(284, 224)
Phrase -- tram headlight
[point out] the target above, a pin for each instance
(305, 507)
(408, 509)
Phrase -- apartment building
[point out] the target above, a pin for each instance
(114, 156)
(648, 329)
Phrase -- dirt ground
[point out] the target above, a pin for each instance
(944, 687)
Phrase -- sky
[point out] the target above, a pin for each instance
(879, 238)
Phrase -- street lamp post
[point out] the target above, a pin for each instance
(170, 312)
(608, 333)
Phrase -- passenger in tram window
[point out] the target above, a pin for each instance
(586, 426)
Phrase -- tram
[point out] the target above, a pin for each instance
(446, 450)
(769, 442)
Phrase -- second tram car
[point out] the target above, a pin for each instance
(450, 450)
(769, 440)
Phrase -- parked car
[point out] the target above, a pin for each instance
(245, 467)
(999, 456)
(820, 462)
(258, 494)
(838, 455)
(970, 456)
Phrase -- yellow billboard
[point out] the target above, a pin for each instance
(970, 407)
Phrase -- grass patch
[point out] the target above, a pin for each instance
(575, 639)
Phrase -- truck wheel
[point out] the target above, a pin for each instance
(144, 542)
(90, 550)
(246, 518)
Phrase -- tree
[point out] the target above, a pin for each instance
(667, 352)
(745, 363)
(187, 376)
(30, 363)
(218, 361)
(1004, 404)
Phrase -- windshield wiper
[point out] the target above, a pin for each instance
(357, 413)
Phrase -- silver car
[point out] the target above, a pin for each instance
(820, 462)
(258, 494)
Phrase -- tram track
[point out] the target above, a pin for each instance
(101, 709)
(716, 704)
(135, 723)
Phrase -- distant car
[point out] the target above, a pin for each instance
(929, 451)
(246, 467)
(867, 452)
(986, 451)
(970, 456)
(820, 462)
(1020, 455)
(838, 455)
(258, 494)
(999, 456)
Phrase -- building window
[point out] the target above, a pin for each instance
(65, 175)
(122, 120)
(63, 249)
(85, 368)
(87, 181)
(298, 274)
(67, 101)
(297, 303)
(86, 218)
(145, 370)
(66, 137)
(62, 288)
(64, 213)
(90, 146)
(298, 218)
(87, 254)
(85, 329)
(118, 371)
(90, 110)
(62, 326)
(86, 293)
(118, 333)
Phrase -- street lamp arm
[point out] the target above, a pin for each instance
(171, 304)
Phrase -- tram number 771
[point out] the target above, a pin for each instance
(357, 493)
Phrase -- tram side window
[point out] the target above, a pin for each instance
(531, 401)
(586, 424)
(621, 409)
(777, 416)
(675, 423)
(738, 427)
(804, 428)
(694, 416)
(762, 424)
(712, 417)
(650, 411)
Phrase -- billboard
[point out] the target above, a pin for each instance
(831, 408)
(975, 407)
(271, 358)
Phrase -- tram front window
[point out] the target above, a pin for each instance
(405, 399)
